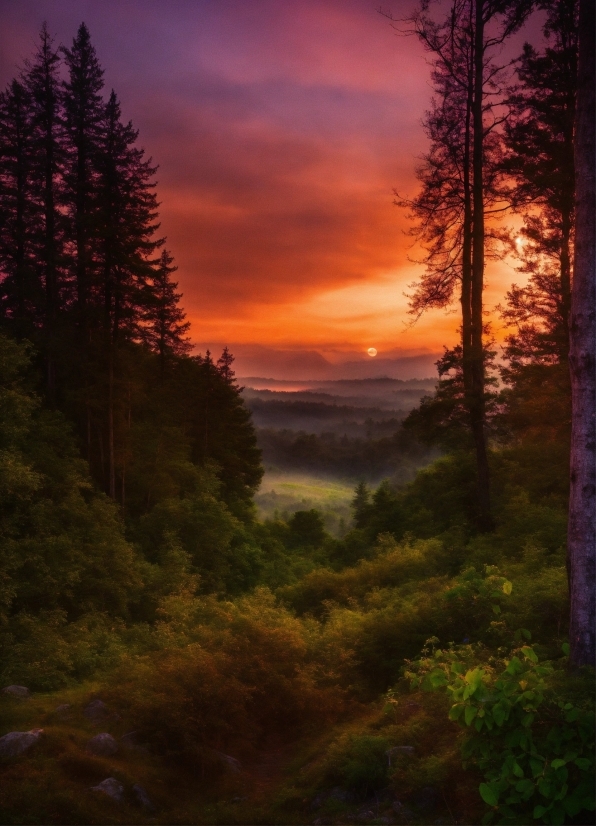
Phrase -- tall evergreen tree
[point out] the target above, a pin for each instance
(18, 213)
(43, 85)
(458, 177)
(539, 158)
(83, 116)
(163, 326)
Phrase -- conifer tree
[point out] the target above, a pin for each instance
(539, 159)
(20, 286)
(83, 115)
(459, 177)
(162, 326)
(43, 86)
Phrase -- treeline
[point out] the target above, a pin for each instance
(85, 277)
(397, 456)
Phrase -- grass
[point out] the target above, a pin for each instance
(282, 494)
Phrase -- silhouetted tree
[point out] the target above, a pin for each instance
(43, 85)
(539, 158)
(459, 177)
(18, 214)
(162, 326)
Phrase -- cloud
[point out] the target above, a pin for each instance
(280, 130)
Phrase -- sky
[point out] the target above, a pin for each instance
(281, 130)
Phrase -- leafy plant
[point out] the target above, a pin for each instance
(535, 748)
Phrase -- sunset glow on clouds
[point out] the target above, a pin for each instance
(281, 130)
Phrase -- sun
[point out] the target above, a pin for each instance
(372, 352)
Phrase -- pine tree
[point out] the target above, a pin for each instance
(83, 115)
(43, 86)
(224, 366)
(459, 177)
(18, 213)
(539, 159)
(162, 326)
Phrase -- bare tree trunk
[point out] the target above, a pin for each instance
(582, 361)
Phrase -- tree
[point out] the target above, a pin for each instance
(83, 115)
(539, 159)
(20, 285)
(581, 541)
(459, 177)
(162, 326)
(43, 86)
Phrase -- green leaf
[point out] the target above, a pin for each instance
(530, 653)
(469, 714)
(539, 811)
(514, 666)
(517, 770)
(488, 794)
(565, 649)
(496, 609)
(545, 788)
(556, 764)
(500, 714)
(583, 763)
(507, 587)
(537, 766)
(455, 712)
(525, 787)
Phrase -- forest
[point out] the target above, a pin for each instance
(167, 655)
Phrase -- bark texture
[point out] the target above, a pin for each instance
(582, 361)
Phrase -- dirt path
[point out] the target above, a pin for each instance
(268, 770)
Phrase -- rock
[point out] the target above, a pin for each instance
(64, 708)
(96, 711)
(17, 742)
(131, 742)
(398, 750)
(425, 799)
(337, 793)
(142, 797)
(102, 745)
(234, 764)
(111, 787)
(20, 691)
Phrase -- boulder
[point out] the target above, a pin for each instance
(63, 708)
(102, 745)
(131, 742)
(409, 750)
(142, 797)
(425, 799)
(17, 742)
(233, 764)
(20, 691)
(96, 711)
(111, 787)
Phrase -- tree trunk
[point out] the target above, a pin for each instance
(477, 405)
(582, 360)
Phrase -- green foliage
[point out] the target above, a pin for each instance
(359, 762)
(535, 749)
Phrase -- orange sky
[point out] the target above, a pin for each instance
(281, 130)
